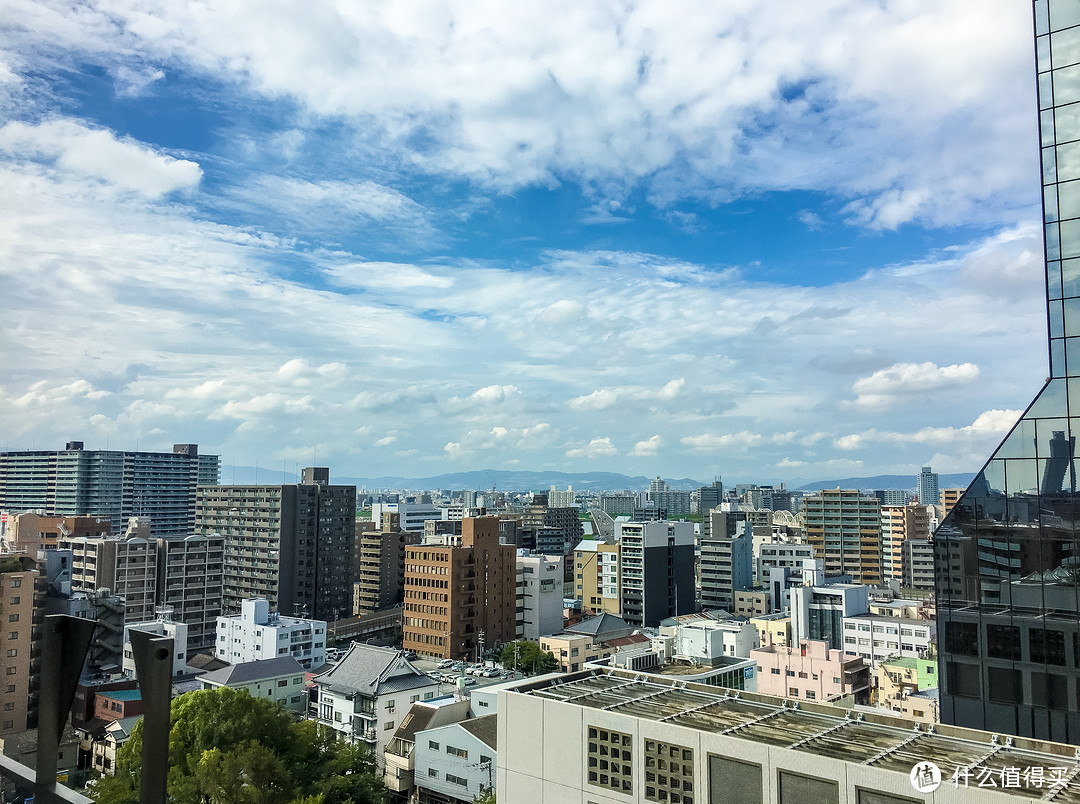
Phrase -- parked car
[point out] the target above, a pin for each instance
(490, 673)
(412, 656)
(470, 682)
(444, 663)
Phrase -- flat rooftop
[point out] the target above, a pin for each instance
(881, 741)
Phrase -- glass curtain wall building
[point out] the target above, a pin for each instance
(1007, 558)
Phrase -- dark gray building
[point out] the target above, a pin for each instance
(656, 571)
(1007, 557)
(292, 544)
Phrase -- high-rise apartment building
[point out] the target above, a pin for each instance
(656, 570)
(710, 497)
(948, 498)
(291, 544)
(460, 591)
(844, 526)
(21, 599)
(673, 503)
(126, 566)
(539, 595)
(596, 576)
(927, 486)
(380, 568)
(555, 530)
(727, 561)
(1007, 556)
(190, 573)
(159, 486)
(900, 524)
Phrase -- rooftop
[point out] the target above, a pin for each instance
(261, 669)
(877, 740)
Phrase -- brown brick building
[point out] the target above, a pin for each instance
(457, 589)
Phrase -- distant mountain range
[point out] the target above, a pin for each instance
(524, 480)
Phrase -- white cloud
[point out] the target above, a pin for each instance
(97, 154)
(902, 379)
(650, 446)
(708, 442)
(597, 400)
(597, 448)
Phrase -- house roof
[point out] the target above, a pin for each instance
(122, 695)
(483, 728)
(601, 624)
(417, 719)
(369, 670)
(633, 639)
(206, 661)
(120, 729)
(246, 672)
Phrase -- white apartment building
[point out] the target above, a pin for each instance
(366, 695)
(179, 634)
(412, 515)
(457, 761)
(818, 610)
(781, 554)
(876, 637)
(703, 640)
(539, 595)
(257, 633)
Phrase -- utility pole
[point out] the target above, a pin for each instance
(479, 646)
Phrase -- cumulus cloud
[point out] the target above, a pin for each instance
(97, 154)
(597, 448)
(903, 379)
(650, 446)
(597, 400)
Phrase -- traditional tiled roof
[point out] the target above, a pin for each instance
(369, 670)
(601, 624)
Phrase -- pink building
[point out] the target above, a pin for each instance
(811, 672)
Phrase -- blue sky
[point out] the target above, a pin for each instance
(692, 239)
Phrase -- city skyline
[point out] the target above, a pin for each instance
(403, 242)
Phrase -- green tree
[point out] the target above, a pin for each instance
(226, 747)
(528, 657)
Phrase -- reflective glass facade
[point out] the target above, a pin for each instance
(1007, 558)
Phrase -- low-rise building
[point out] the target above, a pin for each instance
(116, 734)
(280, 679)
(165, 628)
(366, 694)
(908, 686)
(773, 629)
(457, 761)
(571, 651)
(812, 671)
(875, 637)
(258, 633)
(399, 755)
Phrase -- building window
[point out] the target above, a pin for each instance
(15, 601)
(16, 583)
(434, 774)
(283, 682)
(432, 745)
(13, 618)
(388, 725)
(13, 652)
(337, 717)
(1003, 642)
(610, 760)
(457, 752)
(794, 787)
(457, 780)
(731, 780)
(1047, 646)
(11, 671)
(669, 772)
(13, 635)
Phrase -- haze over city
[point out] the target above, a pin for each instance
(777, 241)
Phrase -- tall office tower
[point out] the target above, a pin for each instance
(189, 584)
(1007, 556)
(656, 570)
(74, 481)
(844, 526)
(22, 597)
(380, 570)
(900, 524)
(927, 486)
(710, 497)
(727, 561)
(127, 566)
(460, 592)
(291, 544)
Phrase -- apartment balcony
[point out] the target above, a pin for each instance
(399, 773)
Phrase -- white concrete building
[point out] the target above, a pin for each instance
(705, 640)
(366, 695)
(257, 633)
(178, 632)
(780, 554)
(413, 515)
(615, 737)
(876, 637)
(458, 760)
(280, 679)
(818, 609)
(539, 595)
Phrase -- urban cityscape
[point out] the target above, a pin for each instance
(490, 478)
